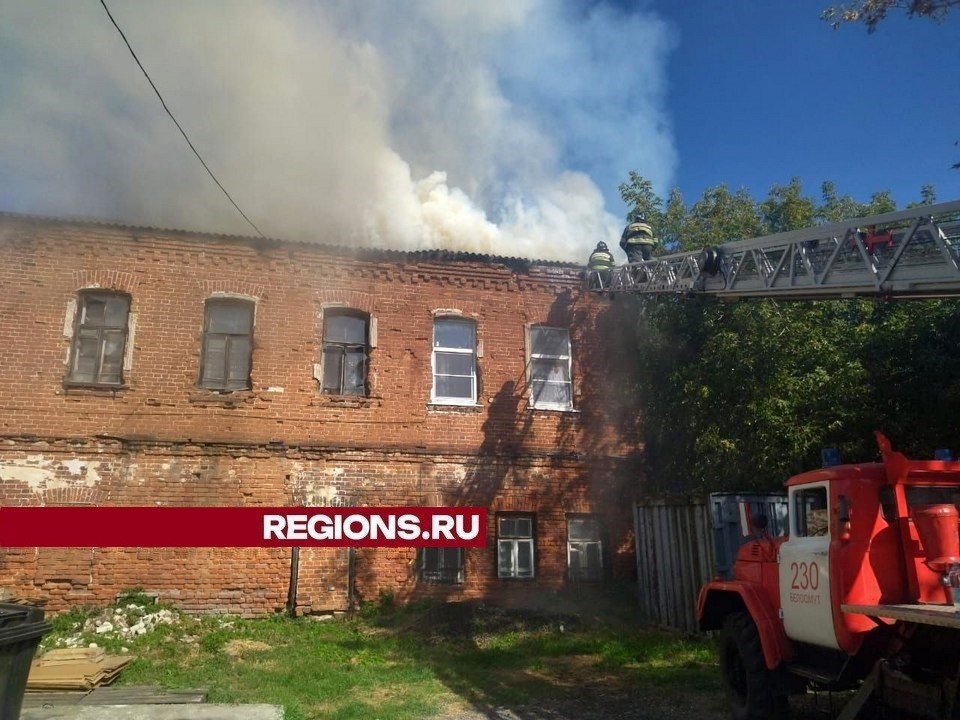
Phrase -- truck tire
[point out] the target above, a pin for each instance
(755, 693)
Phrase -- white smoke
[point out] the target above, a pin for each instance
(467, 125)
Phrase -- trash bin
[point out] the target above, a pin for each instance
(21, 627)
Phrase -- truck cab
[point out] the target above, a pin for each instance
(867, 568)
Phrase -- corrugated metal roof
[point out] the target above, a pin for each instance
(366, 253)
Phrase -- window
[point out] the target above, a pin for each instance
(810, 506)
(584, 549)
(227, 345)
(550, 368)
(515, 546)
(442, 565)
(99, 339)
(344, 353)
(454, 368)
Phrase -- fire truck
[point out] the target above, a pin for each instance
(863, 592)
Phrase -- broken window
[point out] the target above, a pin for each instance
(549, 364)
(345, 347)
(99, 339)
(441, 565)
(454, 361)
(227, 345)
(515, 546)
(584, 549)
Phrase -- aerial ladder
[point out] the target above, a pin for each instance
(912, 253)
(863, 592)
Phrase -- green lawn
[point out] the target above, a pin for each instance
(410, 662)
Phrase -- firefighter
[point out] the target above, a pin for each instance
(599, 266)
(638, 240)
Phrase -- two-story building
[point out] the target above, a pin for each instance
(162, 367)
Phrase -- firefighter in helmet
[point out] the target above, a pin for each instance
(599, 266)
(638, 240)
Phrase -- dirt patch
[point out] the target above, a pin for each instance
(238, 648)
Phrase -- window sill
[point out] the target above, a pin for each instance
(553, 408)
(93, 388)
(221, 398)
(435, 406)
(346, 401)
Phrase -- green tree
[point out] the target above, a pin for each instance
(787, 209)
(742, 395)
(928, 196)
(638, 195)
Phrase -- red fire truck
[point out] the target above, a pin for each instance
(864, 591)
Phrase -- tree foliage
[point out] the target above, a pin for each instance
(740, 395)
(872, 12)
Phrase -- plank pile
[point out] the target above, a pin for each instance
(80, 669)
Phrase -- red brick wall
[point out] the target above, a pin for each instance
(163, 440)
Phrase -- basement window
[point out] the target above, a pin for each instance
(515, 546)
(549, 364)
(345, 349)
(227, 345)
(441, 565)
(99, 339)
(584, 549)
(454, 362)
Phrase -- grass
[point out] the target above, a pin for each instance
(404, 662)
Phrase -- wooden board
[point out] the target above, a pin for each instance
(129, 695)
(66, 672)
(940, 615)
(144, 695)
(66, 656)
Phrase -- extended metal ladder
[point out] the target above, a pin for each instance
(908, 253)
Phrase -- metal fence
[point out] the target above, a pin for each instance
(675, 551)
(682, 543)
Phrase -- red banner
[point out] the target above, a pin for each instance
(116, 526)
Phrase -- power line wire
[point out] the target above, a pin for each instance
(205, 167)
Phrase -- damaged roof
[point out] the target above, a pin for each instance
(365, 253)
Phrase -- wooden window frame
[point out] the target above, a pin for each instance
(100, 332)
(230, 339)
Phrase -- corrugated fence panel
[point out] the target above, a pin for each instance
(675, 554)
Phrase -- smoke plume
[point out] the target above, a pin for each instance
(470, 125)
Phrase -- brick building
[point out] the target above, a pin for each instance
(142, 367)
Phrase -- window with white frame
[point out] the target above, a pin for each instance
(550, 385)
(227, 344)
(584, 548)
(99, 339)
(810, 506)
(454, 362)
(441, 565)
(344, 352)
(515, 546)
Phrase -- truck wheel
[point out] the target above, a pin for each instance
(755, 692)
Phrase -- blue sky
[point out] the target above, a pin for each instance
(763, 91)
(499, 127)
